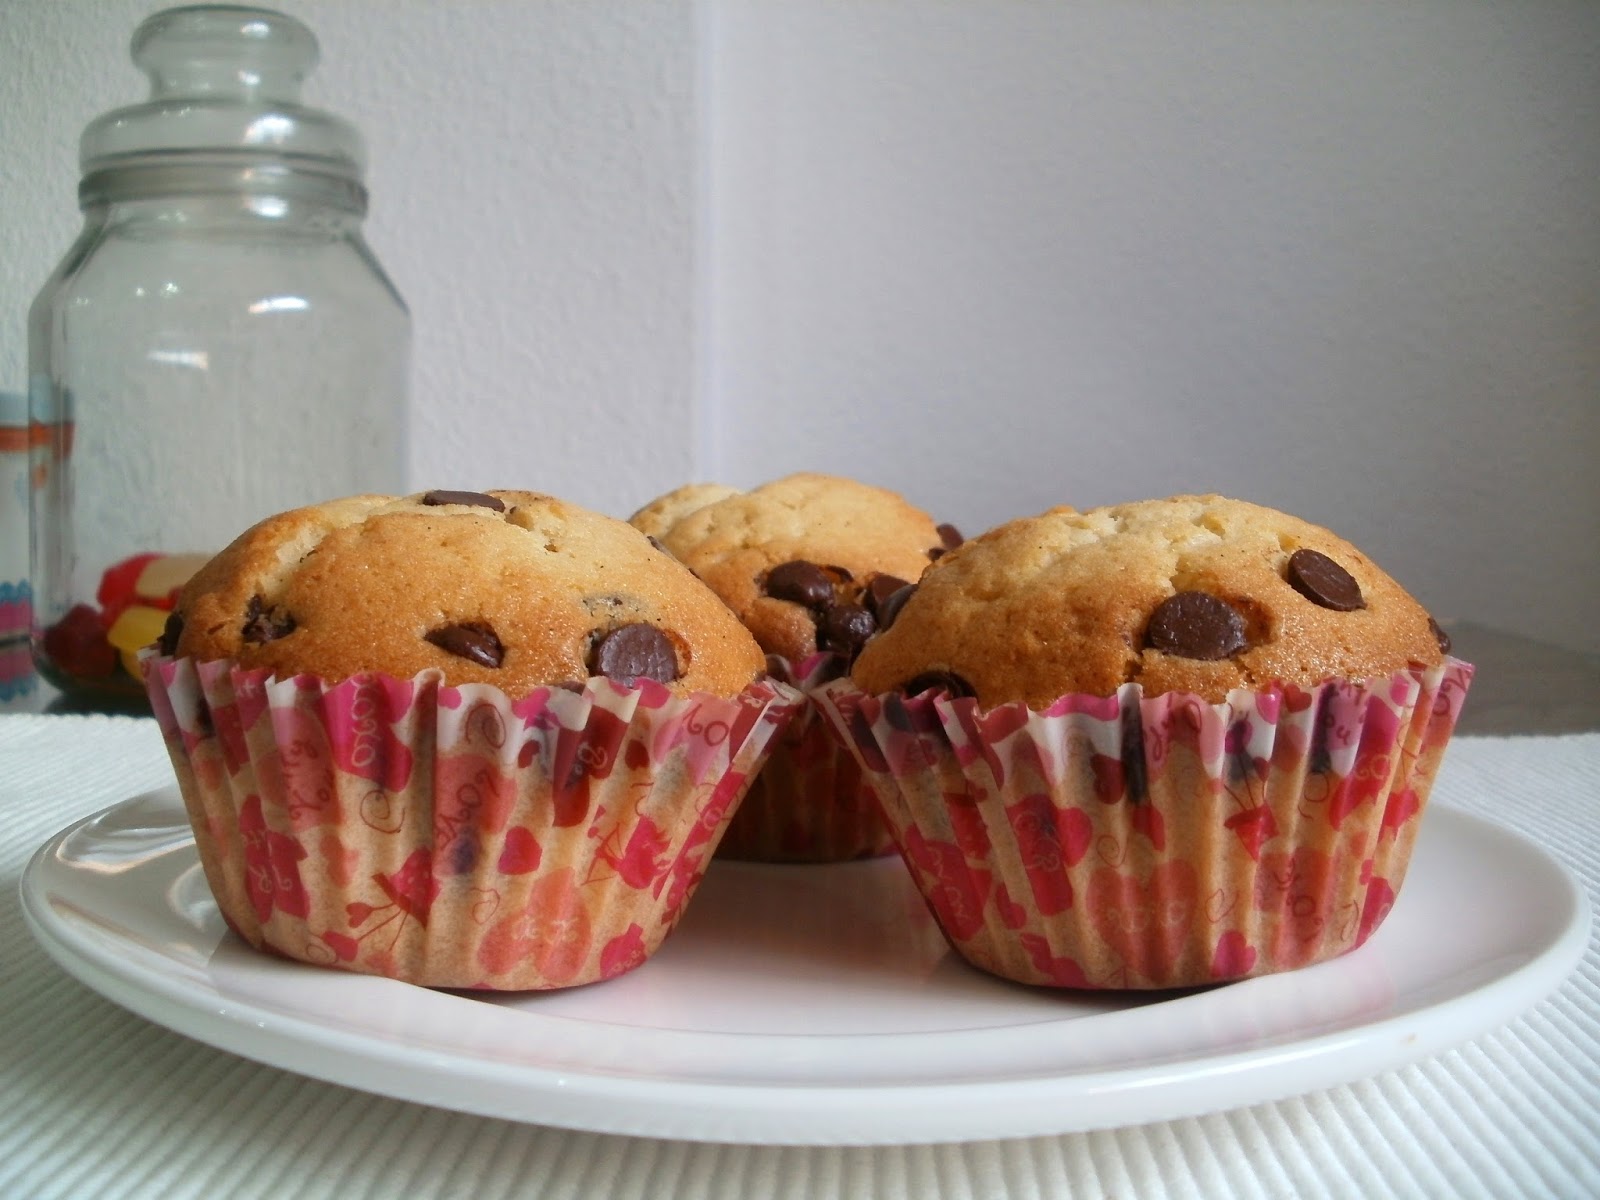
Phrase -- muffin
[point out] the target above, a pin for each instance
(477, 740)
(1158, 744)
(810, 564)
(662, 513)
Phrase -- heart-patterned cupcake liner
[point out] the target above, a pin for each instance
(809, 803)
(452, 836)
(1130, 842)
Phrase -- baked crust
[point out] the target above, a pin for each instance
(733, 540)
(1063, 602)
(361, 583)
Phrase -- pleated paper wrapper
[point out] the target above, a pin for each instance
(451, 836)
(809, 803)
(1130, 842)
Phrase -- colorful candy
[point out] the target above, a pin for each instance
(135, 595)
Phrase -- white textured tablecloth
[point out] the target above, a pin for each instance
(96, 1102)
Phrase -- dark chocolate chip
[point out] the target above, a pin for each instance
(945, 681)
(170, 633)
(475, 641)
(880, 588)
(1322, 581)
(950, 536)
(263, 624)
(844, 627)
(840, 574)
(636, 651)
(889, 610)
(476, 499)
(802, 583)
(1439, 635)
(1196, 625)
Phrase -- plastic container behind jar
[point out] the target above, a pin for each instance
(16, 601)
(218, 345)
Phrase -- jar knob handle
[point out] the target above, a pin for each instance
(226, 52)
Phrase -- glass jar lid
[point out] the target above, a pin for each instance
(224, 80)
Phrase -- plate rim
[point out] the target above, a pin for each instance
(806, 1114)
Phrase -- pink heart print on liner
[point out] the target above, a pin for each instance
(450, 836)
(1132, 842)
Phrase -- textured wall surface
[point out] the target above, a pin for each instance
(1340, 259)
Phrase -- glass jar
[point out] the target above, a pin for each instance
(218, 345)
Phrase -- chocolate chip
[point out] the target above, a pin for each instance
(1439, 635)
(878, 591)
(636, 651)
(263, 624)
(802, 583)
(1322, 581)
(476, 499)
(1196, 625)
(475, 641)
(949, 537)
(889, 610)
(167, 643)
(845, 627)
(945, 681)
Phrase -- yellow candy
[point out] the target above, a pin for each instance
(136, 627)
(166, 573)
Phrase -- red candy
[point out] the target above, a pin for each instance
(77, 644)
(118, 585)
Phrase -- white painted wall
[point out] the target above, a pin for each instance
(1339, 259)
(1343, 259)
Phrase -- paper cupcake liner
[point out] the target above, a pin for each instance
(809, 804)
(1126, 842)
(451, 836)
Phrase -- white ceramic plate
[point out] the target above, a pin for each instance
(816, 1005)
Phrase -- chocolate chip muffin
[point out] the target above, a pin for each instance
(1161, 744)
(811, 564)
(1197, 594)
(469, 740)
(509, 588)
(808, 562)
(665, 511)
